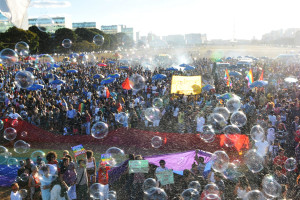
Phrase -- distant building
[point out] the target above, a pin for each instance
(59, 22)
(175, 40)
(137, 36)
(4, 24)
(273, 35)
(111, 29)
(195, 39)
(128, 31)
(84, 25)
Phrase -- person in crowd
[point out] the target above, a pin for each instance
(58, 190)
(138, 180)
(103, 178)
(15, 195)
(45, 180)
(280, 160)
(242, 187)
(51, 158)
(82, 180)
(220, 183)
(91, 166)
(34, 184)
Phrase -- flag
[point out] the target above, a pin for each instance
(107, 93)
(227, 77)
(120, 107)
(249, 77)
(81, 107)
(261, 78)
(126, 84)
(16, 12)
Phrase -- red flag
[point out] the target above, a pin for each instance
(261, 78)
(107, 93)
(126, 85)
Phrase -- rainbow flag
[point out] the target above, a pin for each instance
(78, 150)
(261, 78)
(105, 157)
(227, 77)
(249, 77)
(81, 107)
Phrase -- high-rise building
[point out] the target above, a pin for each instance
(84, 25)
(195, 39)
(4, 24)
(128, 31)
(175, 40)
(59, 22)
(111, 29)
(137, 36)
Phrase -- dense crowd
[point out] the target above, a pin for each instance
(71, 108)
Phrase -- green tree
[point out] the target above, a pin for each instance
(61, 34)
(84, 46)
(46, 43)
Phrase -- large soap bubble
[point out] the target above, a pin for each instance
(13, 163)
(97, 191)
(137, 82)
(238, 118)
(158, 103)
(271, 187)
(45, 59)
(10, 133)
(223, 111)
(122, 117)
(231, 132)
(156, 193)
(233, 104)
(211, 191)
(149, 183)
(290, 164)
(24, 79)
(9, 57)
(152, 114)
(208, 134)
(220, 161)
(47, 173)
(217, 120)
(23, 193)
(195, 185)
(190, 194)
(3, 155)
(66, 43)
(117, 156)
(254, 195)
(98, 40)
(257, 133)
(99, 130)
(22, 48)
(156, 142)
(254, 161)
(21, 146)
(37, 156)
(45, 24)
(232, 172)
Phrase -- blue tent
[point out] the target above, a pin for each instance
(183, 65)
(111, 62)
(72, 71)
(57, 82)
(207, 87)
(98, 76)
(235, 74)
(123, 67)
(56, 65)
(172, 69)
(113, 76)
(188, 68)
(107, 80)
(35, 87)
(228, 58)
(52, 76)
(258, 84)
(30, 69)
(50, 68)
(159, 77)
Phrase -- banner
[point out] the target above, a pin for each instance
(78, 150)
(165, 177)
(105, 157)
(138, 166)
(188, 85)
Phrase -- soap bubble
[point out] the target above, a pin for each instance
(232, 172)
(290, 164)
(97, 191)
(195, 185)
(2, 96)
(21, 146)
(233, 104)
(98, 40)
(3, 155)
(212, 197)
(158, 103)
(271, 187)
(254, 161)
(45, 24)
(24, 177)
(37, 155)
(66, 43)
(14, 123)
(99, 130)
(223, 111)
(231, 130)
(257, 133)
(112, 196)
(254, 195)
(229, 142)
(24, 79)
(217, 120)
(1, 124)
(238, 118)
(156, 142)
(190, 194)
(13, 163)
(45, 59)
(137, 82)
(220, 161)
(24, 134)
(10, 133)
(48, 173)
(152, 114)
(23, 193)
(117, 156)
(149, 183)
(208, 133)
(9, 57)
(156, 193)
(121, 117)
(211, 191)
(21, 46)
(24, 53)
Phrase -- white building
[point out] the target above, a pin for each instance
(194, 39)
(84, 25)
(111, 29)
(59, 22)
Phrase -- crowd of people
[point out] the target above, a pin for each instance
(71, 108)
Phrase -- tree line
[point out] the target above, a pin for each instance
(82, 40)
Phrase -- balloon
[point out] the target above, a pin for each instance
(99, 130)
(254, 161)
(137, 82)
(149, 183)
(98, 40)
(21, 48)
(195, 185)
(257, 133)
(220, 161)
(3, 154)
(117, 156)
(10, 133)
(271, 187)
(152, 114)
(223, 111)
(66, 43)
(156, 142)
(254, 195)
(21, 146)
(9, 57)
(233, 104)
(158, 103)
(47, 173)
(37, 155)
(24, 79)
(290, 164)
(208, 133)
(13, 163)
(238, 118)
(190, 194)
(24, 53)
(45, 24)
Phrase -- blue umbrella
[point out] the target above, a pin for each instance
(172, 69)
(56, 65)
(183, 65)
(259, 84)
(107, 80)
(57, 82)
(123, 67)
(30, 69)
(207, 87)
(188, 68)
(98, 76)
(35, 87)
(111, 62)
(113, 76)
(50, 68)
(72, 71)
(228, 58)
(235, 74)
(159, 77)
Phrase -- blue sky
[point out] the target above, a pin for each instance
(219, 19)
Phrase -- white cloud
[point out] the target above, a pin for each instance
(49, 4)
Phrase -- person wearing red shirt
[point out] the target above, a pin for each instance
(103, 178)
(280, 160)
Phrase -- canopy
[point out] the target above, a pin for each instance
(29, 58)
(227, 96)
(159, 77)
(183, 65)
(258, 84)
(123, 67)
(102, 65)
(207, 87)
(188, 68)
(233, 73)
(57, 82)
(111, 62)
(35, 87)
(113, 76)
(52, 76)
(107, 80)
(98, 76)
(172, 69)
(290, 80)
(72, 71)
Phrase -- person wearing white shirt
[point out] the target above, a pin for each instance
(272, 118)
(176, 111)
(271, 135)
(200, 123)
(15, 195)
(262, 148)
